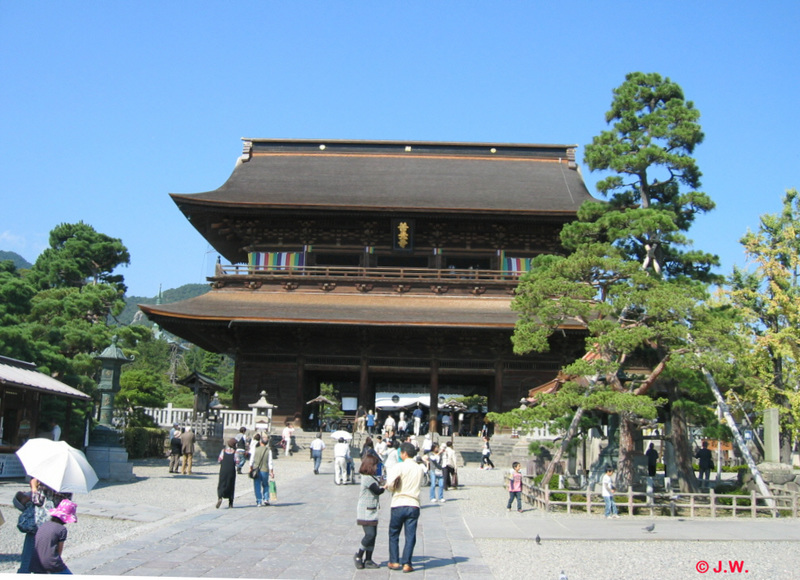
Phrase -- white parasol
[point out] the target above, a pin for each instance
(58, 465)
(341, 435)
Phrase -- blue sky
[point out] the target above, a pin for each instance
(107, 107)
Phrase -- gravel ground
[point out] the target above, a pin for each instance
(483, 495)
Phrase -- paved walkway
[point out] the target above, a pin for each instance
(171, 528)
(309, 532)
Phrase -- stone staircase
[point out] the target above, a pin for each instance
(505, 449)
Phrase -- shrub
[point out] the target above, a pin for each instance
(141, 442)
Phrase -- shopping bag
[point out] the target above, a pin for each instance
(273, 491)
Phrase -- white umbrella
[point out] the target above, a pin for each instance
(341, 435)
(58, 465)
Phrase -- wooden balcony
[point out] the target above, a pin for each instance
(358, 279)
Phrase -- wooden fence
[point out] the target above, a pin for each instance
(691, 505)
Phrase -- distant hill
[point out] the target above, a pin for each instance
(20, 262)
(167, 296)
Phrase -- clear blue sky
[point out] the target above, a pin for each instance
(107, 107)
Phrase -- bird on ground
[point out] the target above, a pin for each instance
(562, 576)
(538, 539)
(649, 528)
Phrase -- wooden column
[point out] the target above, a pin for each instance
(363, 386)
(301, 382)
(434, 408)
(496, 402)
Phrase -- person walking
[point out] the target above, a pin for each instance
(261, 470)
(515, 486)
(417, 416)
(44, 499)
(226, 484)
(486, 455)
(50, 538)
(369, 505)
(317, 446)
(286, 437)
(404, 480)
(241, 448)
(433, 460)
(175, 451)
(187, 450)
(341, 456)
(652, 460)
(608, 489)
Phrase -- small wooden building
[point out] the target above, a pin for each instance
(378, 266)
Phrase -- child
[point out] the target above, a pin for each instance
(608, 493)
(515, 486)
(50, 538)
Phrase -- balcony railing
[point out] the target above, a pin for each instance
(380, 273)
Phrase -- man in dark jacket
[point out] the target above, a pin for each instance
(175, 451)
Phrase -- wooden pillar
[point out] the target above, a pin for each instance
(363, 386)
(237, 387)
(301, 382)
(496, 402)
(434, 408)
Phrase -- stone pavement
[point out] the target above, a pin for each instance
(310, 532)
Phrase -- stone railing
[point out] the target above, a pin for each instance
(228, 419)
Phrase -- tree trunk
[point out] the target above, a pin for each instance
(571, 432)
(627, 444)
(687, 480)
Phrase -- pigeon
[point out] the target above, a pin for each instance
(649, 528)
(562, 576)
(538, 539)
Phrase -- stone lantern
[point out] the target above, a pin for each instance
(112, 359)
(262, 413)
(105, 451)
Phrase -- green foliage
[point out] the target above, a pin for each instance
(648, 152)
(629, 279)
(78, 255)
(330, 412)
(141, 442)
(475, 403)
(768, 300)
(141, 388)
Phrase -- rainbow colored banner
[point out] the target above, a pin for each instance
(276, 260)
(516, 264)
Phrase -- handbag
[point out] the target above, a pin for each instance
(273, 490)
(26, 523)
(253, 472)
